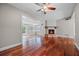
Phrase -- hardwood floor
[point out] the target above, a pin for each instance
(50, 46)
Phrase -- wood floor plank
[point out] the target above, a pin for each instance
(51, 46)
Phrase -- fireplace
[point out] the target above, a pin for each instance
(51, 31)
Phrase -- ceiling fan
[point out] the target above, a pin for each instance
(46, 7)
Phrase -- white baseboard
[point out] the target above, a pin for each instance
(77, 46)
(10, 46)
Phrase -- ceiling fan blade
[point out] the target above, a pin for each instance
(39, 10)
(39, 4)
(51, 8)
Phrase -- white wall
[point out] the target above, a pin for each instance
(66, 27)
(50, 22)
(10, 29)
(77, 24)
(10, 25)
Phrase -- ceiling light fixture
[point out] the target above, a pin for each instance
(46, 7)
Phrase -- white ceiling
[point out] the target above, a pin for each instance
(62, 10)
